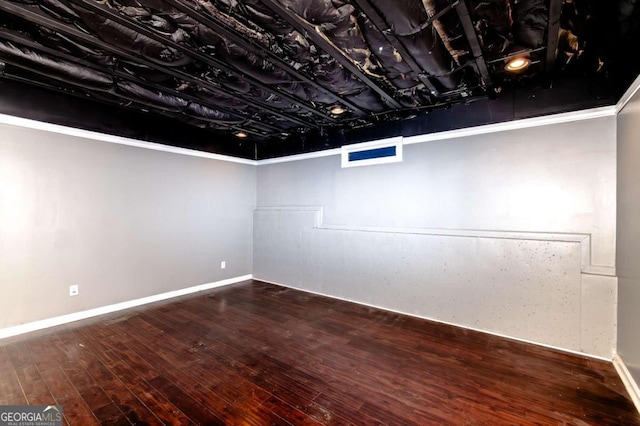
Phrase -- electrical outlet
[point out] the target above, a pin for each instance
(73, 290)
(223, 264)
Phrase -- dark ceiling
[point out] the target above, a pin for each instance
(261, 78)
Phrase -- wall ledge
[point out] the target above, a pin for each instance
(77, 316)
(586, 266)
(628, 381)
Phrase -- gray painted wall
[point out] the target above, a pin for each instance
(468, 231)
(512, 232)
(628, 242)
(119, 221)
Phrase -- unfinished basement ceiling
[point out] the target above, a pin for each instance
(261, 78)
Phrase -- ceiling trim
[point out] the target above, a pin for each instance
(526, 123)
(632, 90)
(298, 157)
(103, 137)
(567, 117)
(587, 114)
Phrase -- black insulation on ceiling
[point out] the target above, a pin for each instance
(275, 72)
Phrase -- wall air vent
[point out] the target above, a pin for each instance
(370, 153)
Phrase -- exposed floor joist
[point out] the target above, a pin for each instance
(141, 29)
(32, 15)
(265, 53)
(314, 34)
(555, 7)
(472, 37)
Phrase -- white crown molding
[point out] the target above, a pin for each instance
(526, 123)
(567, 117)
(103, 137)
(628, 381)
(298, 157)
(429, 137)
(632, 90)
(77, 316)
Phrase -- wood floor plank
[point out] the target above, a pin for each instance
(257, 354)
(34, 388)
(289, 412)
(347, 411)
(110, 414)
(139, 402)
(10, 390)
(196, 411)
(158, 404)
(193, 382)
(122, 398)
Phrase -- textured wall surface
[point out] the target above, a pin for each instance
(121, 222)
(506, 199)
(628, 249)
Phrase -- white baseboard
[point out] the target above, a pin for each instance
(76, 316)
(439, 321)
(629, 383)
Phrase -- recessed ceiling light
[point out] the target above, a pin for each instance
(519, 63)
(337, 110)
(241, 135)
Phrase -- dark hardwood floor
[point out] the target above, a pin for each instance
(258, 354)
